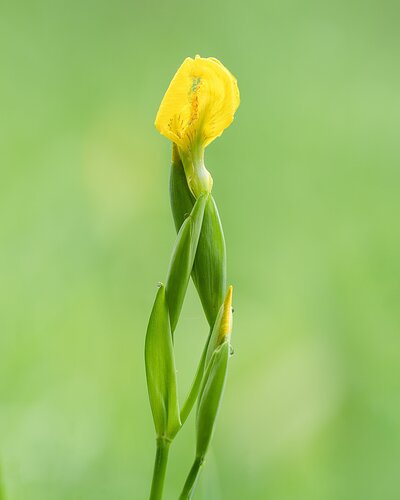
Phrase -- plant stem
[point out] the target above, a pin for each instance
(191, 480)
(194, 390)
(160, 466)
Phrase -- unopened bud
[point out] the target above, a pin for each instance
(223, 325)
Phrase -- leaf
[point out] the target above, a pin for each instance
(160, 370)
(210, 397)
(182, 259)
(182, 200)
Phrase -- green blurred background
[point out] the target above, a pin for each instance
(307, 181)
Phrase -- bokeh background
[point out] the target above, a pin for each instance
(307, 181)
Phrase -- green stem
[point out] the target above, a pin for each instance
(194, 390)
(160, 466)
(191, 480)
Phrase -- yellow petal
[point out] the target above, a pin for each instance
(199, 104)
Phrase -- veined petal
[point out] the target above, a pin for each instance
(199, 104)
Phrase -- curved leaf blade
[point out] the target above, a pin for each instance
(160, 369)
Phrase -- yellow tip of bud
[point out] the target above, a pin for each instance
(226, 321)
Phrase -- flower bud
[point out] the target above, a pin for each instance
(223, 326)
(213, 384)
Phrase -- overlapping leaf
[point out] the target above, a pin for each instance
(160, 369)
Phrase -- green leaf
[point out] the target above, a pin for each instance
(160, 370)
(209, 269)
(210, 397)
(182, 259)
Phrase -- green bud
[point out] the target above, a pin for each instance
(216, 365)
(209, 270)
(210, 398)
(182, 200)
(160, 370)
(222, 329)
(183, 256)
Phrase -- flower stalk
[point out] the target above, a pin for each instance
(160, 467)
(198, 105)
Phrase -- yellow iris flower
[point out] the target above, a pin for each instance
(197, 107)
